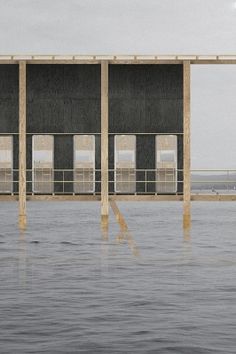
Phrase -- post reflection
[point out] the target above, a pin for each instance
(187, 244)
(104, 232)
(22, 259)
(187, 234)
(126, 236)
(104, 250)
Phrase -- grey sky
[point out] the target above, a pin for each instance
(142, 27)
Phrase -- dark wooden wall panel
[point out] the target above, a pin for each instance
(63, 98)
(145, 98)
(63, 159)
(9, 98)
(145, 159)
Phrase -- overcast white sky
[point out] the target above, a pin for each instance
(143, 27)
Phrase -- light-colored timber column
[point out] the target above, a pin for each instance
(22, 144)
(186, 142)
(104, 144)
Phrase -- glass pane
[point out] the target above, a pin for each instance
(43, 149)
(6, 164)
(84, 163)
(166, 164)
(125, 163)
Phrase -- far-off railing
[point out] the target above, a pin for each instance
(136, 181)
(213, 181)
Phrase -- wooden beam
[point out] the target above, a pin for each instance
(124, 198)
(146, 198)
(119, 59)
(119, 217)
(126, 236)
(22, 144)
(187, 157)
(104, 144)
(64, 197)
(214, 62)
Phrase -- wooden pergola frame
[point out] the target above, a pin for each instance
(104, 61)
(118, 59)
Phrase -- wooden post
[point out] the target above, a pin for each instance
(22, 144)
(187, 157)
(119, 217)
(104, 145)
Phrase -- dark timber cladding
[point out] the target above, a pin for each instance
(146, 99)
(66, 99)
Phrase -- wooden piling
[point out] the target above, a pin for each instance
(119, 217)
(186, 142)
(104, 145)
(22, 144)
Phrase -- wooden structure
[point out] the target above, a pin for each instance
(104, 144)
(104, 96)
(22, 144)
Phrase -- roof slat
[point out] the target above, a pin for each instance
(125, 57)
(83, 57)
(104, 57)
(5, 57)
(42, 57)
(22, 57)
(145, 57)
(226, 57)
(166, 57)
(63, 57)
(186, 57)
(206, 57)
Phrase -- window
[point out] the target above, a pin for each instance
(42, 164)
(84, 163)
(166, 164)
(6, 164)
(125, 163)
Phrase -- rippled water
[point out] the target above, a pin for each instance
(66, 288)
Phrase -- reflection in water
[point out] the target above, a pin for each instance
(22, 222)
(187, 245)
(165, 302)
(122, 237)
(22, 260)
(104, 257)
(126, 236)
(187, 234)
(104, 230)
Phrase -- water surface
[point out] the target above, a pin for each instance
(67, 288)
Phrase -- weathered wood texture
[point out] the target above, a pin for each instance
(116, 59)
(104, 142)
(9, 98)
(127, 198)
(22, 144)
(146, 98)
(187, 156)
(119, 217)
(63, 99)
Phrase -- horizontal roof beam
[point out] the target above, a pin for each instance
(129, 59)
